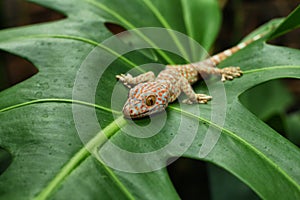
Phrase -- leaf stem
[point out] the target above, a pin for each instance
(65, 171)
(94, 144)
(82, 154)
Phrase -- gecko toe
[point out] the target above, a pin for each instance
(229, 73)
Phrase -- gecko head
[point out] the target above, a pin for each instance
(146, 99)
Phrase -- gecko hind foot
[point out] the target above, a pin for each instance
(230, 73)
(200, 98)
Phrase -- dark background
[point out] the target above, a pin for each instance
(191, 178)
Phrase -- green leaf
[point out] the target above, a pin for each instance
(38, 130)
(5, 160)
(267, 99)
(202, 26)
(293, 127)
(289, 24)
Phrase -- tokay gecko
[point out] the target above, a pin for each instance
(149, 94)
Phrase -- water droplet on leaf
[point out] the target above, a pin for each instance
(38, 94)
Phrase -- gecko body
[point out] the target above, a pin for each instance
(149, 94)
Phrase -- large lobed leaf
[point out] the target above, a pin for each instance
(37, 127)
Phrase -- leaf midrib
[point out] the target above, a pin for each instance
(82, 155)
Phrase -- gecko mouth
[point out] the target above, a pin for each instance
(147, 113)
(135, 116)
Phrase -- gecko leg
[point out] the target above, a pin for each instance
(128, 80)
(192, 96)
(227, 73)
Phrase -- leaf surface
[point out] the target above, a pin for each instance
(37, 126)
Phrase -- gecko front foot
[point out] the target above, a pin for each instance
(125, 79)
(200, 98)
(230, 73)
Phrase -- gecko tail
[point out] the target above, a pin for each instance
(216, 59)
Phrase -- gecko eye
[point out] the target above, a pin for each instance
(150, 100)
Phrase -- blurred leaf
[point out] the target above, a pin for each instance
(293, 127)
(5, 160)
(290, 23)
(226, 186)
(202, 26)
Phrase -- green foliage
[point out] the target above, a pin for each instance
(293, 127)
(267, 99)
(37, 127)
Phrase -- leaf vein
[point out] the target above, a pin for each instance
(59, 100)
(241, 140)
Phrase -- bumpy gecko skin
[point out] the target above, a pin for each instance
(149, 95)
(146, 99)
